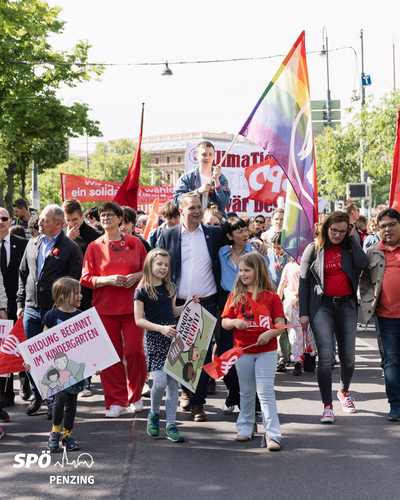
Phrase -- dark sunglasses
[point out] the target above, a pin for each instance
(4, 219)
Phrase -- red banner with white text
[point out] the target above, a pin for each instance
(92, 190)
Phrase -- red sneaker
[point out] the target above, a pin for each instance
(327, 416)
(347, 401)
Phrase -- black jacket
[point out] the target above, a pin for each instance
(36, 293)
(17, 249)
(171, 242)
(312, 278)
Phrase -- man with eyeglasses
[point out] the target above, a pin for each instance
(48, 257)
(380, 292)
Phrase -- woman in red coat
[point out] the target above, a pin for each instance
(112, 267)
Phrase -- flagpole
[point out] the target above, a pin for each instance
(226, 153)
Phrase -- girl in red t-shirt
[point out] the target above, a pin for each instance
(256, 367)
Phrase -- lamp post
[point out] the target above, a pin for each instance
(105, 173)
(324, 52)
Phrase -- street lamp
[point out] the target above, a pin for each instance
(167, 72)
(324, 52)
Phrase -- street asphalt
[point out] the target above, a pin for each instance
(357, 457)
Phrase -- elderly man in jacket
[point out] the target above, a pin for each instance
(380, 291)
(48, 257)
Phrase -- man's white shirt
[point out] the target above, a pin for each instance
(196, 265)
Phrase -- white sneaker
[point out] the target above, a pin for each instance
(227, 410)
(116, 411)
(146, 390)
(137, 406)
(86, 393)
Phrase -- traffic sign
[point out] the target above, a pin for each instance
(366, 80)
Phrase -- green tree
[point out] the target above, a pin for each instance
(339, 151)
(34, 123)
(122, 151)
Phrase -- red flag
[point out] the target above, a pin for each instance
(152, 220)
(394, 200)
(127, 193)
(221, 366)
(266, 181)
(10, 358)
(263, 318)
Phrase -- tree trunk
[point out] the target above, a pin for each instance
(10, 171)
(1, 195)
(23, 182)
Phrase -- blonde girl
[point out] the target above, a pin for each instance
(155, 311)
(67, 296)
(256, 367)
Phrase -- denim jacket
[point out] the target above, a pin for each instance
(190, 181)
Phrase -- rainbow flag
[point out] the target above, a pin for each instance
(281, 124)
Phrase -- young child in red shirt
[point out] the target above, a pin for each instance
(256, 367)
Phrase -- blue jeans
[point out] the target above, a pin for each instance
(340, 321)
(390, 335)
(33, 325)
(256, 374)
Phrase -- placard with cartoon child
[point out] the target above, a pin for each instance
(188, 352)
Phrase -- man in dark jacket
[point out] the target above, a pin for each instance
(48, 257)
(12, 248)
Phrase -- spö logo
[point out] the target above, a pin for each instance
(44, 460)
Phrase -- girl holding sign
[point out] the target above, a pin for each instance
(67, 297)
(256, 367)
(154, 299)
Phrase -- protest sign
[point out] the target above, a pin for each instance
(234, 167)
(68, 353)
(87, 189)
(9, 347)
(188, 351)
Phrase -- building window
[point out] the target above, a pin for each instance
(179, 159)
(156, 161)
(167, 159)
(168, 177)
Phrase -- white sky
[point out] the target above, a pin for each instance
(218, 97)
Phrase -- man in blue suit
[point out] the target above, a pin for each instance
(195, 268)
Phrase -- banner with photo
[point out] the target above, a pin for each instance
(68, 353)
(188, 351)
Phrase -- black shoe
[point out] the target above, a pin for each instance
(297, 369)
(25, 395)
(5, 401)
(35, 406)
(212, 389)
(4, 416)
(49, 414)
(281, 367)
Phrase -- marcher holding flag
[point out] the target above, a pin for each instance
(256, 367)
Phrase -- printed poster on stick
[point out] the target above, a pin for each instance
(68, 353)
(188, 351)
(5, 328)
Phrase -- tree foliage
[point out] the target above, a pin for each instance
(339, 151)
(34, 123)
(121, 151)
